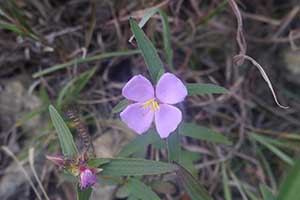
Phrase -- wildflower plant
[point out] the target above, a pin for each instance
(146, 101)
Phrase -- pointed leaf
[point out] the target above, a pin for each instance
(173, 143)
(65, 136)
(266, 193)
(202, 133)
(201, 88)
(135, 167)
(141, 191)
(149, 52)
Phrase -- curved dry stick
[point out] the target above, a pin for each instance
(264, 75)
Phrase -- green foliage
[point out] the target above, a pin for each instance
(120, 106)
(266, 193)
(187, 160)
(139, 190)
(139, 143)
(167, 39)
(84, 194)
(134, 167)
(84, 60)
(65, 136)
(72, 89)
(202, 133)
(195, 190)
(266, 142)
(153, 62)
(173, 143)
(290, 187)
(226, 187)
(202, 88)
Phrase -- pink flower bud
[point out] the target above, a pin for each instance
(57, 159)
(87, 177)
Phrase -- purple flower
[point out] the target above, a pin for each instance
(153, 105)
(87, 177)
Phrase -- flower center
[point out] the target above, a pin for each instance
(152, 103)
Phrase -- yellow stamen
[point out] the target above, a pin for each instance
(152, 103)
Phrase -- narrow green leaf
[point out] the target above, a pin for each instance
(11, 27)
(84, 194)
(266, 193)
(289, 189)
(149, 52)
(173, 143)
(272, 148)
(202, 133)
(97, 162)
(202, 88)
(149, 13)
(141, 191)
(167, 38)
(135, 167)
(226, 187)
(140, 142)
(85, 60)
(72, 89)
(195, 190)
(65, 136)
(120, 106)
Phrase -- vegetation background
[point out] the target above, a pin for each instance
(76, 54)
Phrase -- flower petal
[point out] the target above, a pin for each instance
(137, 117)
(139, 89)
(170, 89)
(167, 118)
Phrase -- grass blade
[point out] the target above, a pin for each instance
(65, 136)
(202, 133)
(167, 38)
(202, 88)
(153, 62)
(272, 148)
(289, 189)
(84, 60)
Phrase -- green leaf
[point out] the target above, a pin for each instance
(65, 136)
(149, 13)
(135, 167)
(120, 106)
(202, 133)
(84, 194)
(97, 162)
(85, 60)
(264, 141)
(138, 143)
(72, 89)
(141, 191)
(226, 187)
(289, 189)
(167, 38)
(266, 193)
(201, 89)
(173, 143)
(149, 52)
(195, 190)
(11, 27)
